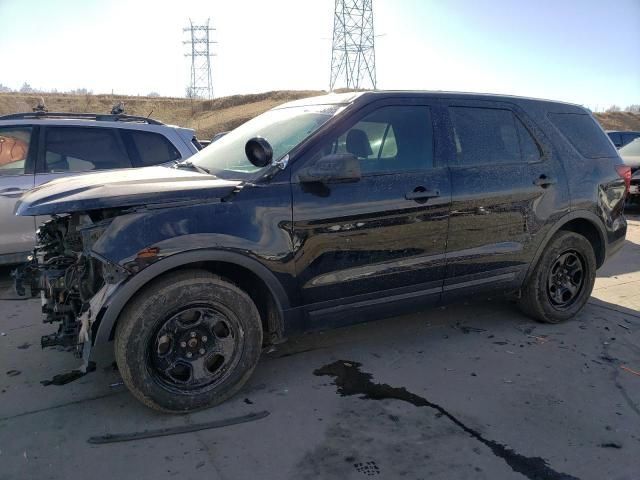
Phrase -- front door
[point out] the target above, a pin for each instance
(383, 237)
(17, 155)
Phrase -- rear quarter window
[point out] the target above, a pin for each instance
(586, 136)
(148, 148)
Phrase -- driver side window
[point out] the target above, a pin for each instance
(392, 139)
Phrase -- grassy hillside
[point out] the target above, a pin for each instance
(619, 120)
(208, 116)
(205, 116)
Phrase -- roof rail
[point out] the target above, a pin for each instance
(81, 116)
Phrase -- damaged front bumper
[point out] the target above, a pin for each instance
(73, 283)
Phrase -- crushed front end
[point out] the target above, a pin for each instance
(71, 280)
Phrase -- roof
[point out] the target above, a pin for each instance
(329, 99)
(80, 116)
(350, 97)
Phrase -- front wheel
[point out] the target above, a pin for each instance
(562, 282)
(187, 341)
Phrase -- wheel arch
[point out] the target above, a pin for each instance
(238, 268)
(583, 222)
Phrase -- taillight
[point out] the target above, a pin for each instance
(625, 173)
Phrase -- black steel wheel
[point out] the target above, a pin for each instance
(562, 281)
(195, 348)
(565, 279)
(187, 341)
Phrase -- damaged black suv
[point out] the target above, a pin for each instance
(320, 213)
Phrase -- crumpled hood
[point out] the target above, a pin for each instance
(122, 188)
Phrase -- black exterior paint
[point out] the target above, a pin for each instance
(327, 250)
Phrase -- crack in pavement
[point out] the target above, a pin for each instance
(350, 380)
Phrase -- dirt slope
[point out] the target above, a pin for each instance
(205, 116)
(619, 120)
(210, 116)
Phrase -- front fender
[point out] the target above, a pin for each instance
(105, 326)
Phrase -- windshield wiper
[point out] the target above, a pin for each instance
(188, 165)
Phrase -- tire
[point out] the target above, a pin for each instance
(543, 297)
(189, 340)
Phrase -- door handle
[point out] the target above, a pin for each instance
(421, 193)
(12, 192)
(544, 181)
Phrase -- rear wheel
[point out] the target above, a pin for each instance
(188, 341)
(562, 282)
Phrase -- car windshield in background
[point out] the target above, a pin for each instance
(283, 128)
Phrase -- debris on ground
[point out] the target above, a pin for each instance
(610, 445)
(24, 346)
(627, 369)
(64, 378)
(163, 432)
(467, 329)
(14, 373)
(540, 339)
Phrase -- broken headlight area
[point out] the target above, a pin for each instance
(70, 279)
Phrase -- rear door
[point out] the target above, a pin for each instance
(505, 185)
(17, 158)
(383, 237)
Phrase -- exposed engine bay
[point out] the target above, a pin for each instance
(69, 277)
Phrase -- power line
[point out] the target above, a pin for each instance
(201, 84)
(353, 57)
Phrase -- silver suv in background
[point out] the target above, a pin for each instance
(38, 147)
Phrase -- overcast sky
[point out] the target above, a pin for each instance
(580, 51)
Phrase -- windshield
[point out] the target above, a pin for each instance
(283, 128)
(631, 149)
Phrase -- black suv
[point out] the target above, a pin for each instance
(319, 213)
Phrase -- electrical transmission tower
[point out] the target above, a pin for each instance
(201, 85)
(353, 55)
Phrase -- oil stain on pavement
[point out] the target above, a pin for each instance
(350, 380)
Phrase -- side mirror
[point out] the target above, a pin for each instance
(259, 152)
(333, 168)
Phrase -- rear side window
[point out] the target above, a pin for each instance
(616, 138)
(148, 148)
(584, 134)
(629, 137)
(491, 136)
(14, 149)
(79, 149)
